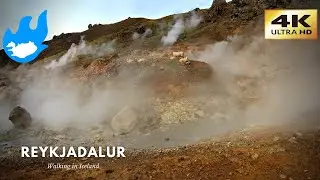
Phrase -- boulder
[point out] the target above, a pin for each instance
(20, 118)
(124, 121)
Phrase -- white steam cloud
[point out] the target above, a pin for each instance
(174, 33)
(194, 21)
(179, 27)
(5, 109)
(275, 82)
(57, 101)
(82, 49)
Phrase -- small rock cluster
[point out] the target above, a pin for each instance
(182, 58)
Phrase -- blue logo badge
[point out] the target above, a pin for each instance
(26, 44)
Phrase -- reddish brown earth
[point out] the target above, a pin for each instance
(261, 154)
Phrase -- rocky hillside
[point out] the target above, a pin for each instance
(220, 21)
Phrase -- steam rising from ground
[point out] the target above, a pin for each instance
(5, 109)
(194, 20)
(259, 82)
(174, 33)
(179, 27)
(275, 82)
(82, 49)
(263, 82)
(56, 101)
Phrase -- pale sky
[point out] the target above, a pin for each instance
(75, 15)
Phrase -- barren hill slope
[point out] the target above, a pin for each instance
(220, 21)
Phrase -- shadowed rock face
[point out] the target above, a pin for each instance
(6, 61)
(248, 9)
(20, 118)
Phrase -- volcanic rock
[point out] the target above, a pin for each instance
(141, 29)
(20, 117)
